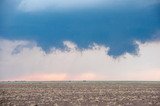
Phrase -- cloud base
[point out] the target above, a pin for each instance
(24, 60)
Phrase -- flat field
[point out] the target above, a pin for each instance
(80, 93)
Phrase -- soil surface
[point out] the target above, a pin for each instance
(80, 93)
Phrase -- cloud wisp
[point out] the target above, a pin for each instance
(24, 60)
(39, 5)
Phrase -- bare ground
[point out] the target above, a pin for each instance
(80, 93)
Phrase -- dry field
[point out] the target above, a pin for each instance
(80, 93)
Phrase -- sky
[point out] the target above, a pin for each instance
(79, 40)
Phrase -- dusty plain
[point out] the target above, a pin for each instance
(80, 93)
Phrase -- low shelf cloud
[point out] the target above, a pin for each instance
(79, 40)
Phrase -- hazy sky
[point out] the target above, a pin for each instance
(79, 40)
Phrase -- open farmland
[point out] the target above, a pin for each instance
(80, 93)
